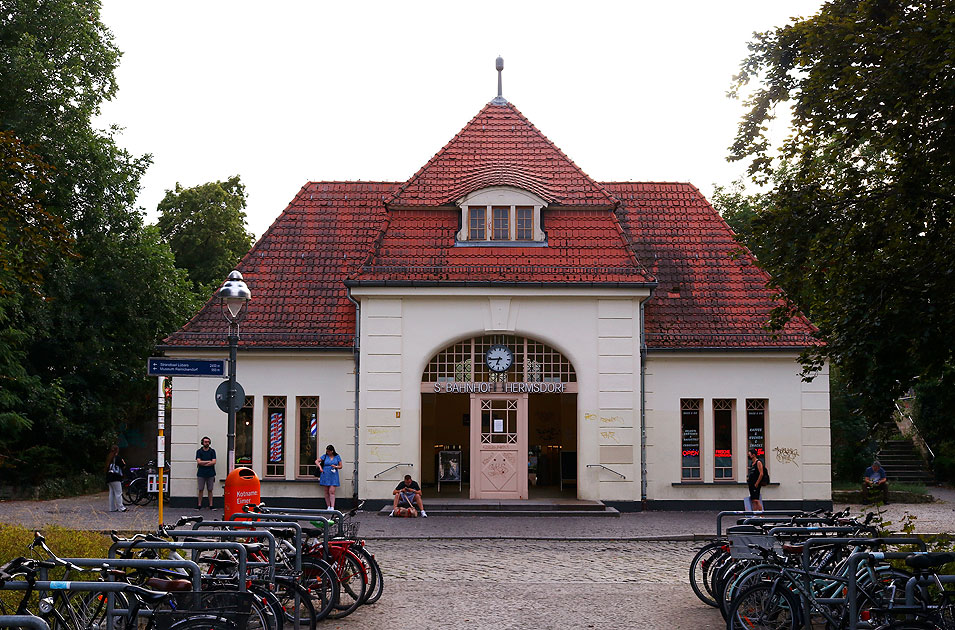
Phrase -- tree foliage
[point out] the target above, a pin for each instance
(858, 227)
(76, 324)
(206, 228)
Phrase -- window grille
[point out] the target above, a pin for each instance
(690, 438)
(533, 362)
(502, 229)
(525, 223)
(477, 222)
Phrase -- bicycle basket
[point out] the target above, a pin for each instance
(740, 545)
(230, 608)
(349, 530)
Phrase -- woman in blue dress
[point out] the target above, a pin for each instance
(328, 466)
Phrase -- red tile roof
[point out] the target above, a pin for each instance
(708, 296)
(499, 147)
(295, 271)
(583, 246)
(627, 234)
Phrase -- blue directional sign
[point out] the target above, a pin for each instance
(161, 366)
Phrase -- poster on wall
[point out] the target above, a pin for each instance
(276, 437)
(449, 468)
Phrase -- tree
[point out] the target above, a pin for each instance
(205, 227)
(858, 227)
(75, 335)
(739, 210)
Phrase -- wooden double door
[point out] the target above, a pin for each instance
(498, 446)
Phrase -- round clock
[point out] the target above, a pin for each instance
(499, 358)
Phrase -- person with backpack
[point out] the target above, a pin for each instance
(756, 479)
(114, 479)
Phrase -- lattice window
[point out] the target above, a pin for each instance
(477, 222)
(524, 223)
(275, 436)
(723, 439)
(533, 362)
(690, 438)
(499, 421)
(307, 435)
(501, 228)
(756, 426)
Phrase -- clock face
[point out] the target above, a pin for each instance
(499, 358)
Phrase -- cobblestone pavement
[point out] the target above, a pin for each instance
(89, 512)
(536, 584)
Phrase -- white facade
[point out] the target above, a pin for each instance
(597, 330)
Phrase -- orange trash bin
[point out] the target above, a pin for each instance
(242, 487)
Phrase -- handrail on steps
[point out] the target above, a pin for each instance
(605, 468)
(391, 468)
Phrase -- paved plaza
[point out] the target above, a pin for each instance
(509, 572)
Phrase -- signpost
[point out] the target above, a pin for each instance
(162, 367)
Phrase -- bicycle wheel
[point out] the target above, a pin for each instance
(764, 607)
(351, 579)
(880, 596)
(701, 562)
(376, 581)
(288, 590)
(271, 605)
(137, 491)
(752, 575)
(320, 581)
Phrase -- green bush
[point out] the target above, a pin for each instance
(66, 543)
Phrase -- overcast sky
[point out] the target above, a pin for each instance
(283, 93)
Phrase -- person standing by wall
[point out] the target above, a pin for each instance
(328, 466)
(757, 471)
(205, 469)
(115, 465)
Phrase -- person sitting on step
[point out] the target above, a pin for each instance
(409, 492)
(875, 480)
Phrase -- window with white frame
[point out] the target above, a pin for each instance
(690, 411)
(723, 439)
(501, 215)
(756, 426)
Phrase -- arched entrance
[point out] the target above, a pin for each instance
(499, 420)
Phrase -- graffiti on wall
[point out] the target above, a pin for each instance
(786, 455)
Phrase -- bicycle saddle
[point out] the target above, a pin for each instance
(929, 560)
(168, 586)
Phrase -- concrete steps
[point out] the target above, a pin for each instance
(903, 463)
(462, 507)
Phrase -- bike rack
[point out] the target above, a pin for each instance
(268, 536)
(856, 542)
(243, 517)
(199, 546)
(105, 563)
(23, 621)
(719, 517)
(325, 514)
(298, 534)
(854, 561)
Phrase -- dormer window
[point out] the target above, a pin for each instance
(501, 216)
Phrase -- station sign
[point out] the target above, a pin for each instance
(163, 366)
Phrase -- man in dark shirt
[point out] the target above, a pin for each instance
(408, 490)
(206, 469)
(874, 480)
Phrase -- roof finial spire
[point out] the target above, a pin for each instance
(499, 64)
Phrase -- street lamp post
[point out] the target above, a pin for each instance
(234, 295)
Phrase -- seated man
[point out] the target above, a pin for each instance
(410, 492)
(875, 480)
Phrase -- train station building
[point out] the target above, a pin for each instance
(504, 324)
